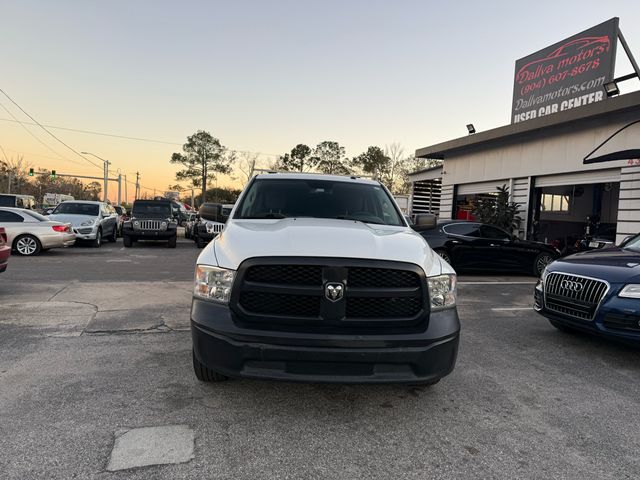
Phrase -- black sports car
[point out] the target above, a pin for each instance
(472, 246)
(596, 291)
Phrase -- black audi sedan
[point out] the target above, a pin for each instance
(596, 291)
(473, 246)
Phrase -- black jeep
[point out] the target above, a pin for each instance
(151, 220)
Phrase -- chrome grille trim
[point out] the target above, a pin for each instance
(150, 224)
(582, 304)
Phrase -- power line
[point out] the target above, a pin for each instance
(114, 135)
(61, 157)
(126, 137)
(40, 125)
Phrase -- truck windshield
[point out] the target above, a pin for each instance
(282, 198)
(149, 209)
(71, 208)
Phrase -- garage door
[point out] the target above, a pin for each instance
(481, 187)
(579, 178)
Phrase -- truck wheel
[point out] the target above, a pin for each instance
(114, 237)
(205, 374)
(200, 242)
(126, 240)
(27, 245)
(98, 241)
(172, 241)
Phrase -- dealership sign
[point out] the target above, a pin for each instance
(566, 75)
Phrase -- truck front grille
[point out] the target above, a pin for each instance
(573, 296)
(150, 224)
(273, 292)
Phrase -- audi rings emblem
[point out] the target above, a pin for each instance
(571, 285)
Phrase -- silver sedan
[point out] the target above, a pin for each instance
(29, 233)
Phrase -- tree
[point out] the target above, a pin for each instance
(247, 165)
(329, 157)
(373, 162)
(299, 160)
(397, 160)
(203, 156)
(13, 174)
(498, 210)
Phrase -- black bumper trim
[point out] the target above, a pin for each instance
(423, 357)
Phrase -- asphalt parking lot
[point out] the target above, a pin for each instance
(95, 344)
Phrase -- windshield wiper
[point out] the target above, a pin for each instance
(348, 217)
(266, 215)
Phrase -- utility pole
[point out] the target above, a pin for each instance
(106, 180)
(126, 195)
(192, 199)
(137, 185)
(106, 173)
(9, 183)
(119, 189)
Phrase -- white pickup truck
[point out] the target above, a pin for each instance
(319, 278)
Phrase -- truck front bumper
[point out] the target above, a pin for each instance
(422, 357)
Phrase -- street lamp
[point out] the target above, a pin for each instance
(106, 173)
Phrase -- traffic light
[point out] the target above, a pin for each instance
(31, 172)
(53, 174)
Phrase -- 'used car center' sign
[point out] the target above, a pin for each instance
(566, 75)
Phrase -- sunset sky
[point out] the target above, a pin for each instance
(263, 76)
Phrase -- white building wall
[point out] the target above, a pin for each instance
(629, 203)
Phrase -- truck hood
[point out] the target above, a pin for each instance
(73, 219)
(315, 237)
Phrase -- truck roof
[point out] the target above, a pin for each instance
(316, 176)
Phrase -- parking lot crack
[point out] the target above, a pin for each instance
(60, 291)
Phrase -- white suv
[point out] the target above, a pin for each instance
(319, 278)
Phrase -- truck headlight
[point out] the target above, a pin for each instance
(209, 228)
(631, 290)
(213, 283)
(442, 291)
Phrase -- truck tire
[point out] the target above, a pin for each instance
(126, 240)
(172, 241)
(205, 374)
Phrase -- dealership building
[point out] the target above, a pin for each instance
(540, 159)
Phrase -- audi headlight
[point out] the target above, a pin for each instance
(88, 223)
(442, 291)
(631, 290)
(214, 283)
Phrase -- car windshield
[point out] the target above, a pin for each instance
(37, 216)
(283, 198)
(70, 208)
(633, 244)
(151, 209)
